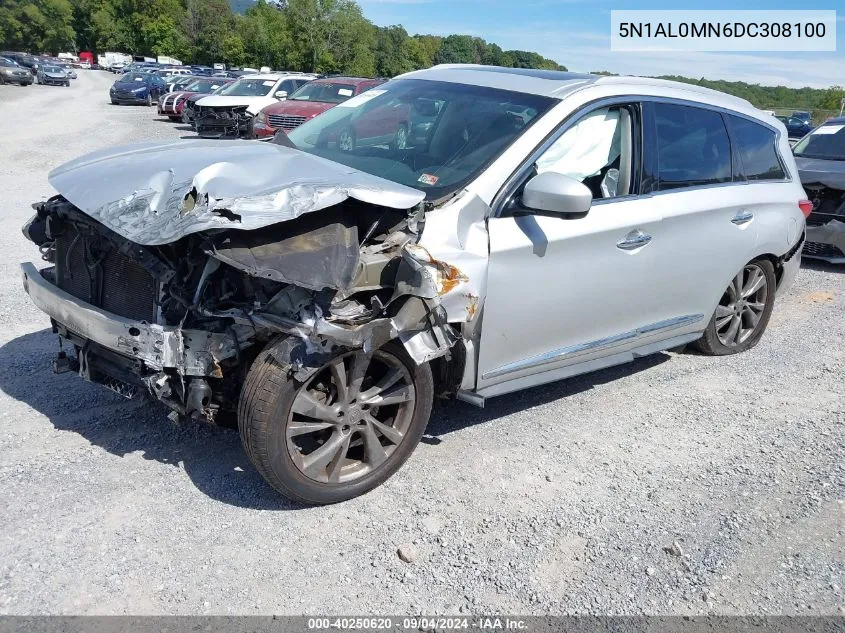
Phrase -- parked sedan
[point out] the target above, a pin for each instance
(173, 104)
(12, 73)
(796, 127)
(307, 102)
(137, 88)
(820, 157)
(550, 224)
(51, 75)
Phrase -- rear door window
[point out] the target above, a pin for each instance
(757, 147)
(693, 147)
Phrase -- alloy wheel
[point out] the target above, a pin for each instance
(350, 417)
(741, 307)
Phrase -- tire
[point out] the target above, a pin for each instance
(149, 100)
(346, 140)
(717, 339)
(265, 418)
(175, 119)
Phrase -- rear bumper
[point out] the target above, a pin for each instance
(14, 79)
(190, 352)
(826, 242)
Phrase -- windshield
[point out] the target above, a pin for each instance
(130, 77)
(431, 135)
(323, 92)
(827, 141)
(248, 88)
(203, 85)
(52, 69)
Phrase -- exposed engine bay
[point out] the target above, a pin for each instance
(222, 121)
(193, 313)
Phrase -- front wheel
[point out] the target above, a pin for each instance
(343, 431)
(743, 311)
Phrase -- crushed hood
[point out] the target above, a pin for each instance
(156, 193)
(830, 173)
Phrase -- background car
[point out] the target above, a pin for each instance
(229, 112)
(307, 102)
(51, 75)
(796, 127)
(820, 157)
(178, 82)
(137, 88)
(172, 104)
(12, 73)
(69, 71)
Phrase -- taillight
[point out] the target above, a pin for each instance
(806, 207)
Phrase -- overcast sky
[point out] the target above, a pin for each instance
(576, 33)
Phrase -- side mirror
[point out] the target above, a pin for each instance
(551, 193)
(281, 94)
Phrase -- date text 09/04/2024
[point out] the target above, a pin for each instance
(418, 623)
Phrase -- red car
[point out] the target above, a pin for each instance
(312, 99)
(172, 103)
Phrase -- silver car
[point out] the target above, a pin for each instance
(544, 225)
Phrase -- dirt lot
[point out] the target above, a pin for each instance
(562, 499)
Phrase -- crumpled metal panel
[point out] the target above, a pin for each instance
(322, 257)
(830, 173)
(455, 239)
(157, 193)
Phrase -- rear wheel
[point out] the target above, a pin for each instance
(343, 431)
(743, 311)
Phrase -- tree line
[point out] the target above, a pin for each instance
(329, 36)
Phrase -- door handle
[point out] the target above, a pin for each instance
(742, 217)
(634, 240)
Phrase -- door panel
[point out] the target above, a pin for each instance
(555, 284)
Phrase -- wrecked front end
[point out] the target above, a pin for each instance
(176, 289)
(824, 183)
(222, 121)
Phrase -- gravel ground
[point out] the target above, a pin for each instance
(680, 484)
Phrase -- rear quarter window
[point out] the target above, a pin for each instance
(693, 147)
(757, 148)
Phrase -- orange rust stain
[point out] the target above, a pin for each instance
(449, 275)
(472, 306)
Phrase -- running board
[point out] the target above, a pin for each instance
(470, 397)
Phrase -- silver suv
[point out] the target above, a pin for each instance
(530, 226)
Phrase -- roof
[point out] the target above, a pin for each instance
(347, 80)
(275, 76)
(557, 84)
(837, 120)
